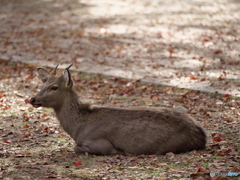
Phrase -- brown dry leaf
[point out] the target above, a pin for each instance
(193, 77)
(26, 126)
(43, 115)
(26, 135)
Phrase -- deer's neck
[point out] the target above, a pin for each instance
(71, 114)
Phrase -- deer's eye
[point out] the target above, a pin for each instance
(54, 88)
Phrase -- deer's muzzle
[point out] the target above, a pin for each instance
(34, 103)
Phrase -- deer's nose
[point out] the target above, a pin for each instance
(32, 100)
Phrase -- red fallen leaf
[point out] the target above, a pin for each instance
(26, 135)
(217, 139)
(227, 95)
(218, 51)
(228, 151)
(1, 95)
(206, 40)
(95, 89)
(18, 167)
(192, 77)
(220, 153)
(200, 169)
(7, 141)
(27, 101)
(78, 163)
(170, 51)
(5, 107)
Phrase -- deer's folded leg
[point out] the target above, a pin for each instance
(99, 146)
(80, 149)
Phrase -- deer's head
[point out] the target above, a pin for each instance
(54, 89)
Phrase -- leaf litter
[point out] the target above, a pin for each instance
(190, 44)
(32, 144)
(197, 44)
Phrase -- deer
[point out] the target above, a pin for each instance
(112, 130)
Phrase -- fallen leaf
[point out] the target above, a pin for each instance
(95, 88)
(192, 77)
(217, 139)
(200, 169)
(26, 126)
(27, 101)
(31, 65)
(228, 151)
(218, 51)
(43, 115)
(7, 141)
(80, 33)
(26, 135)
(78, 163)
(206, 40)
(227, 95)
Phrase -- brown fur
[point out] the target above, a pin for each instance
(102, 130)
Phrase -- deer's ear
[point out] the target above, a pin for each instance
(44, 75)
(67, 78)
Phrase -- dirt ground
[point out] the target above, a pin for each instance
(139, 45)
(33, 146)
(190, 44)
